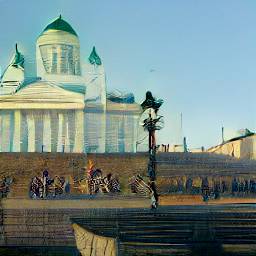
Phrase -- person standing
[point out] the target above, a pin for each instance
(153, 194)
(45, 181)
(205, 189)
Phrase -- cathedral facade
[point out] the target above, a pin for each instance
(65, 107)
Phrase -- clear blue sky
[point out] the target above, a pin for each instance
(203, 54)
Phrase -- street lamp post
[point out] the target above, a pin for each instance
(152, 123)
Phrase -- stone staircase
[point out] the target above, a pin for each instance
(171, 164)
(203, 230)
(32, 227)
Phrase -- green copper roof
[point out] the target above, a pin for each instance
(94, 57)
(60, 24)
(73, 88)
(18, 60)
(69, 87)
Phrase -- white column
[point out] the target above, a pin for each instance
(60, 133)
(17, 131)
(253, 138)
(126, 133)
(79, 132)
(102, 133)
(67, 141)
(135, 132)
(47, 133)
(31, 133)
(6, 132)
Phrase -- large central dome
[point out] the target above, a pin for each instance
(58, 50)
(60, 24)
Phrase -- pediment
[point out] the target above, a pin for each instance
(43, 93)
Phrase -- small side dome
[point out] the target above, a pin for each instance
(60, 24)
(94, 58)
(13, 75)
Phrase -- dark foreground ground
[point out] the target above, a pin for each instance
(205, 229)
(228, 229)
(170, 230)
(39, 251)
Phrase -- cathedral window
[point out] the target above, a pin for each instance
(61, 59)
(54, 61)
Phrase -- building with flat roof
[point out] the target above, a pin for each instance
(243, 146)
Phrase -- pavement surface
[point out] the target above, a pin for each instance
(106, 201)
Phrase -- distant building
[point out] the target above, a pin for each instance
(243, 146)
(66, 107)
(163, 148)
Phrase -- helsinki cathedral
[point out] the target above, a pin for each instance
(65, 107)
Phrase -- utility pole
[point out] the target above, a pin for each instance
(185, 147)
(181, 127)
(222, 134)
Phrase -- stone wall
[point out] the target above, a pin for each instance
(123, 166)
(24, 166)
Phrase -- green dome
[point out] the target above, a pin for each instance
(60, 24)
